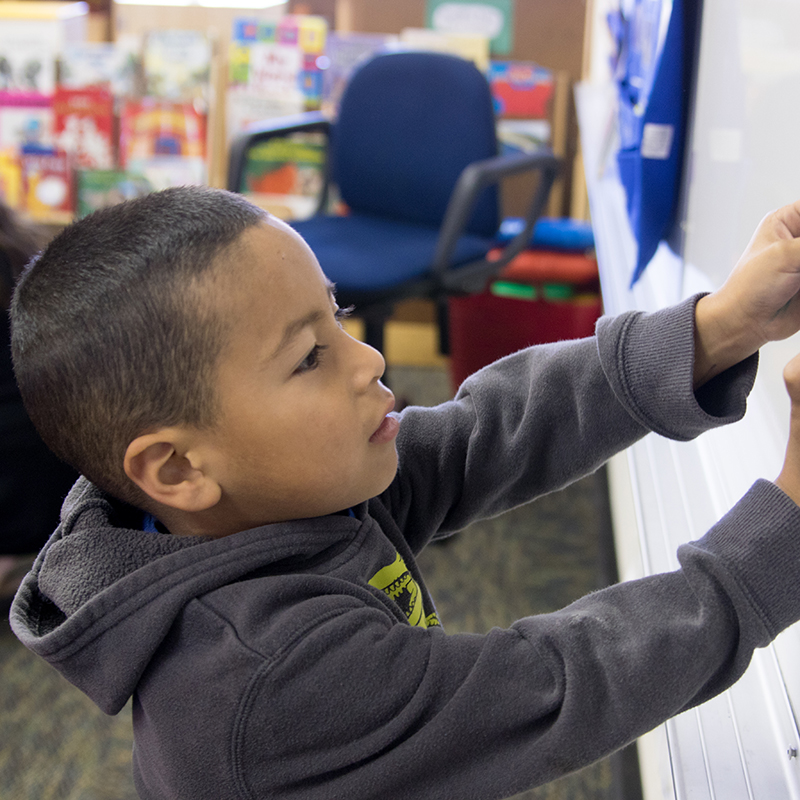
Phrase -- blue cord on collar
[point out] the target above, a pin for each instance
(150, 524)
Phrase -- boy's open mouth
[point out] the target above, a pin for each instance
(388, 428)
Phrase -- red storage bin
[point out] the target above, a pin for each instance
(488, 326)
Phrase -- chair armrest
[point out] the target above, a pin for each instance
(309, 122)
(472, 181)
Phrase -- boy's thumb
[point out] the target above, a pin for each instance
(791, 377)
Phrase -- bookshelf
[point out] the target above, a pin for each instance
(138, 20)
(555, 41)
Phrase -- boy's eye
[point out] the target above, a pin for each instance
(312, 360)
(342, 314)
(314, 357)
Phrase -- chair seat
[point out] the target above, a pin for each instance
(361, 253)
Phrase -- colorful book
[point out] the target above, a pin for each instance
(286, 174)
(177, 64)
(344, 52)
(47, 184)
(28, 53)
(275, 70)
(245, 107)
(527, 135)
(280, 60)
(286, 165)
(164, 141)
(100, 188)
(521, 89)
(113, 65)
(26, 120)
(152, 127)
(10, 179)
(306, 31)
(164, 171)
(84, 126)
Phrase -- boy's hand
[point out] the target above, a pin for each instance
(789, 479)
(758, 303)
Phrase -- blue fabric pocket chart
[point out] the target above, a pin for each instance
(653, 71)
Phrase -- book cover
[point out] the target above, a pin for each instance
(28, 52)
(286, 174)
(177, 64)
(286, 165)
(275, 70)
(238, 64)
(344, 52)
(521, 89)
(84, 126)
(26, 120)
(251, 29)
(10, 179)
(244, 108)
(163, 171)
(279, 60)
(306, 31)
(113, 65)
(47, 184)
(100, 188)
(527, 135)
(152, 127)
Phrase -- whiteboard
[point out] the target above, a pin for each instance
(743, 159)
(740, 163)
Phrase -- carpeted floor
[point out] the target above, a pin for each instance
(55, 745)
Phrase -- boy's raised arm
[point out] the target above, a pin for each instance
(758, 303)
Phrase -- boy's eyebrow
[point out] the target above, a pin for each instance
(294, 327)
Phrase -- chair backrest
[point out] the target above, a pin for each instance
(408, 124)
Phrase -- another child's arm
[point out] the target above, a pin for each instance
(757, 304)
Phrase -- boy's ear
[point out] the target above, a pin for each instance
(163, 466)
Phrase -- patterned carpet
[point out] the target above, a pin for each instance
(56, 745)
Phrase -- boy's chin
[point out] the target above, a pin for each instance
(378, 486)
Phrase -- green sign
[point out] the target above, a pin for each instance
(491, 18)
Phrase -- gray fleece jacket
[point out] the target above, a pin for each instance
(305, 660)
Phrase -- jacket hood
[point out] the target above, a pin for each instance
(101, 596)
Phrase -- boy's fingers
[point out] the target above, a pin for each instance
(789, 217)
(791, 377)
(783, 224)
(786, 255)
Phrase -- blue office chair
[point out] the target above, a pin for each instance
(414, 155)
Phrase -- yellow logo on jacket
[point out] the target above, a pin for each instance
(396, 582)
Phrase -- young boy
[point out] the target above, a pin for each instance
(239, 557)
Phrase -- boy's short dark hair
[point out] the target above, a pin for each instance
(113, 331)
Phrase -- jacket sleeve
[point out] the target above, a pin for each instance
(539, 419)
(362, 707)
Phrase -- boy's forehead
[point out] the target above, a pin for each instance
(275, 247)
(270, 257)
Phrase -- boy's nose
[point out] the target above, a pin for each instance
(371, 364)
